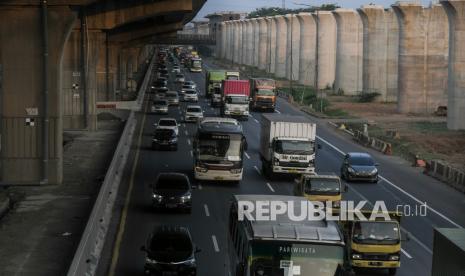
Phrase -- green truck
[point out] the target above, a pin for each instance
(213, 80)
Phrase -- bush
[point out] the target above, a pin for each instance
(368, 97)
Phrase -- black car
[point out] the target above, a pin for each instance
(172, 191)
(170, 251)
(359, 166)
(165, 138)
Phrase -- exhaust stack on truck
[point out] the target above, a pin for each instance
(287, 145)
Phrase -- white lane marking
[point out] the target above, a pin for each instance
(277, 111)
(215, 244)
(269, 186)
(186, 132)
(246, 155)
(401, 228)
(192, 154)
(256, 168)
(200, 187)
(183, 125)
(189, 141)
(399, 189)
(207, 213)
(256, 121)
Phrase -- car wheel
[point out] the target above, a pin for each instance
(392, 271)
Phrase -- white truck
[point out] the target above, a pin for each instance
(287, 145)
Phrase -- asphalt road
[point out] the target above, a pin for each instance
(399, 185)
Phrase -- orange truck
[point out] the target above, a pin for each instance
(263, 94)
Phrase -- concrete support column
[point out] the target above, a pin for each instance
(249, 43)
(256, 41)
(243, 45)
(237, 57)
(271, 45)
(423, 56)
(230, 45)
(222, 39)
(107, 69)
(281, 46)
(327, 37)
(24, 155)
(227, 40)
(392, 56)
(456, 79)
(262, 44)
(307, 53)
(292, 47)
(349, 53)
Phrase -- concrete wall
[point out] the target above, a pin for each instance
(349, 57)
(281, 46)
(249, 43)
(263, 44)
(392, 56)
(423, 55)
(327, 37)
(244, 45)
(307, 54)
(292, 47)
(456, 67)
(271, 45)
(255, 36)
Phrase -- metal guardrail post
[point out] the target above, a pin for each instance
(87, 256)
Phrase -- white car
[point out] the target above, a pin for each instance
(179, 78)
(160, 106)
(168, 123)
(190, 95)
(176, 69)
(193, 113)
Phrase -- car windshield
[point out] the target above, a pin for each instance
(191, 92)
(265, 92)
(160, 103)
(170, 247)
(376, 232)
(164, 134)
(294, 147)
(179, 76)
(322, 186)
(194, 109)
(172, 183)
(171, 95)
(237, 100)
(361, 161)
(220, 147)
(167, 123)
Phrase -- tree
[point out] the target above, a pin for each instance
(272, 11)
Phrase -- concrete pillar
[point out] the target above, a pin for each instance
(237, 56)
(392, 56)
(281, 46)
(271, 45)
(107, 69)
(223, 39)
(243, 44)
(248, 43)
(263, 44)
(256, 41)
(231, 41)
(423, 57)
(327, 35)
(228, 40)
(456, 79)
(349, 53)
(292, 47)
(22, 105)
(307, 53)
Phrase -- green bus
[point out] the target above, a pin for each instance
(283, 247)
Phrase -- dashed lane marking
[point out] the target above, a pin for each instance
(207, 212)
(215, 244)
(270, 187)
(257, 169)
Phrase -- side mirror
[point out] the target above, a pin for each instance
(142, 248)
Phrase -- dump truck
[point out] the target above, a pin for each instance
(448, 252)
(263, 94)
(287, 145)
(214, 79)
(235, 98)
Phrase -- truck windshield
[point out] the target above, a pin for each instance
(302, 259)
(376, 232)
(322, 186)
(230, 77)
(294, 147)
(237, 100)
(265, 92)
(196, 63)
(220, 147)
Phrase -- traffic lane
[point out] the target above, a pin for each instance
(439, 196)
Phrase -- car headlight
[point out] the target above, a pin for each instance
(276, 161)
(186, 197)
(157, 197)
(349, 169)
(190, 262)
(236, 171)
(150, 261)
(394, 258)
(375, 170)
(200, 169)
(174, 140)
(155, 140)
(356, 256)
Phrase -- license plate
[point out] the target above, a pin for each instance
(375, 263)
(170, 205)
(292, 170)
(218, 178)
(169, 273)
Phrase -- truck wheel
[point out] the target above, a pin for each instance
(392, 271)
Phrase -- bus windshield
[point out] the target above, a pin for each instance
(276, 258)
(322, 186)
(196, 63)
(223, 147)
(376, 232)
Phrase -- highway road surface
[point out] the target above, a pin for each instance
(399, 185)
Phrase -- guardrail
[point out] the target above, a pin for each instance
(446, 173)
(87, 256)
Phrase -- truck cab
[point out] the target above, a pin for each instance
(263, 94)
(216, 95)
(321, 188)
(235, 98)
(374, 243)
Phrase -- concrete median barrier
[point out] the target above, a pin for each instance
(447, 174)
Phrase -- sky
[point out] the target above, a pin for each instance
(212, 6)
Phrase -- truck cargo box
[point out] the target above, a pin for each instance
(239, 87)
(448, 252)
